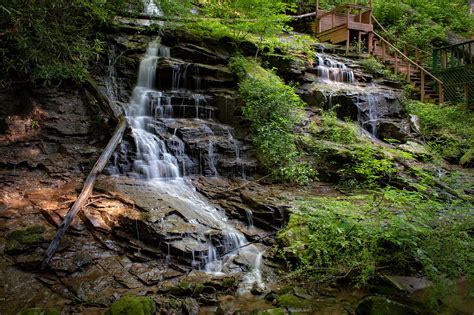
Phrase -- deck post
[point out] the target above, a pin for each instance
(444, 59)
(348, 37)
(395, 62)
(359, 39)
(466, 93)
(422, 87)
(383, 52)
(422, 77)
(407, 63)
(371, 45)
(441, 93)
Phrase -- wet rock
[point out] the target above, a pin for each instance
(394, 129)
(418, 150)
(291, 301)
(132, 305)
(378, 305)
(39, 311)
(408, 284)
(20, 241)
(275, 311)
(311, 95)
(182, 289)
(190, 306)
(191, 52)
(289, 68)
(168, 305)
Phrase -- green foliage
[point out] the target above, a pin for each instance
(336, 130)
(370, 167)
(39, 311)
(51, 41)
(399, 231)
(260, 22)
(423, 23)
(132, 305)
(449, 130)
(273, 109)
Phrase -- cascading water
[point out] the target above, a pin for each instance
(330, 70)
(367, 111)
(160, 155)
(152, 157)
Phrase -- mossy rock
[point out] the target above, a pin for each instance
(228, 282)
(132, 305)
(291, 301)
(275, 311)
(379, 305)
(20, 241)
(39, 311)
(182, 289)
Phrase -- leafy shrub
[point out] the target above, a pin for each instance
(337, 131)
(42, 42)
(449, 130)
(273, 109)
(400, 231)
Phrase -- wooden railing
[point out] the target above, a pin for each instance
(453, 56)
(420, 55)
(409, 63)
(343, 15)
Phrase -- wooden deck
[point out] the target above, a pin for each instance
(344, 24)
(352, 23)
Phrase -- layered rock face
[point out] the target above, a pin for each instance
(56, 130)
(195, 95)
(335, 83)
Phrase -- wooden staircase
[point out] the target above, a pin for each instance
(430, 88)
(355, 22)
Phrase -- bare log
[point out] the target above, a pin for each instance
(87, 189)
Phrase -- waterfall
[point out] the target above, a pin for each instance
(330, 70)
(152, 157)
(367, 111)
(160, 154)
(151, 8)
(373, 114)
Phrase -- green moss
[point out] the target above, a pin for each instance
(182, 289)
(291, 301)
(377, 305)
(132, 305)
(198, 289)
(276, 311)
(228, 282)
(21, 240)
(39, 311)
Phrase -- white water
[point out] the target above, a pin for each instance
(157, 159)
(330, 70)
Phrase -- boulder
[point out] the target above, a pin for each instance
(393, 129)
(379, 305)
(132, 305)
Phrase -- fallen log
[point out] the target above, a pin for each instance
(87, 189)
(116, 114)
